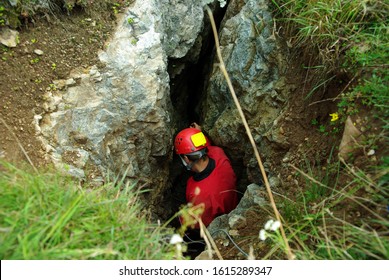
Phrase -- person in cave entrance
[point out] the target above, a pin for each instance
(212, 185)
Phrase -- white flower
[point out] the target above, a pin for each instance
(272, 225)
(276, 225)
(262, 234)
(268, 224)
(176, 239)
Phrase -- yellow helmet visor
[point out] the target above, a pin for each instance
(198, 139)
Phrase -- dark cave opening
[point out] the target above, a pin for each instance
(188, 84)
(189, 78)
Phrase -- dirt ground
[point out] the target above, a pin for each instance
(67, 42)
(70, 42)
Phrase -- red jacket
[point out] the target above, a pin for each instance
(217, 191)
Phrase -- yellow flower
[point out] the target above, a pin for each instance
(334, 116)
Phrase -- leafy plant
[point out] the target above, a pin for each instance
(2, 16)
(322, 128)
(116, 7)
(34, 60)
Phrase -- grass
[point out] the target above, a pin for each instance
(343, 212)
(332, 26)
(350, 36)
(48, 216)
(349, 222)
(327, 178)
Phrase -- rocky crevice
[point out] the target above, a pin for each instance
(160, 74)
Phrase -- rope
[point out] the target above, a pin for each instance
(191, 241)
(233, 242)
(249, 134)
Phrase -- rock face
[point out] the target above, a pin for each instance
(229, 225)
(8, 37)
(253, 60)
(254, 197)
(118, 118)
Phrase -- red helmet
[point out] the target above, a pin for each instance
(189, 140)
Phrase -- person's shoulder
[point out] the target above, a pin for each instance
(215, 150)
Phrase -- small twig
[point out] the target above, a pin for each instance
(20, 145)
(209, 240)
(284, 197)
(324, 232)
(370, 183)
(324, 100)
(249, 134)
(204, 233)
(337, 97)
(232, 240)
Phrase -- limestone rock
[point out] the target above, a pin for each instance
(119, 117)
(237, 221)
(9, 37)
(38, 52)
(256, 67)
(253, 197)
(206, 255)
(351, 139)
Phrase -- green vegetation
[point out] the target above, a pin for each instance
(130, 21)
(2, 16)
(34, 60)
(326, 222)
(342, 211)
(350, 37)
(49, 216)
(336, 26)
(340, 214)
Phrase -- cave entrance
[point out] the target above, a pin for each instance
(187, 87)
(188, 84)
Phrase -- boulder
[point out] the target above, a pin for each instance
(257, 69)
(119, 117)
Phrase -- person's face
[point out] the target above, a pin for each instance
(186, 162)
